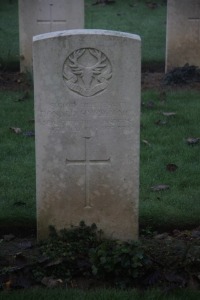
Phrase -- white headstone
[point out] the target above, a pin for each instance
(42, 16)
(183, 33)
(87, 120)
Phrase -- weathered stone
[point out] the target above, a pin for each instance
(41, 16)
(87, 116)
(183, 33)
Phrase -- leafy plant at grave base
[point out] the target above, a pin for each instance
(121, 263)
(68, 252)
(82, 251)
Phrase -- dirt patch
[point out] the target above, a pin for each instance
(150, 79)
(15, 81)
(156, 81)
(172, 260)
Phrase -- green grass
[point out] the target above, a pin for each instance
(178, 207)
(9, 35)
(132, 16)
(17, 163)
(98, 295)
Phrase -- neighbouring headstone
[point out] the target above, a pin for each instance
(42, 16)
(183, 33)
(87, 120)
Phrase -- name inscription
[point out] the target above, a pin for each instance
(77, 117)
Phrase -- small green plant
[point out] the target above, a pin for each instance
(84, 251)
(68, 251)
(122, 263)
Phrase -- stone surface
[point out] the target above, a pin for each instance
(41, 16)
(87, 116)
(183, 33)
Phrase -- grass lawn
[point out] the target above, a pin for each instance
(163, 142)
(9, 35)
(134, 16)
(17, 161)
(176, 207)
(167, 120)
(99, 295)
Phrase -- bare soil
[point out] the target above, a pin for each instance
(16, 81)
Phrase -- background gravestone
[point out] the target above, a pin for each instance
(87, 120)
(41, 16)
(183, 33)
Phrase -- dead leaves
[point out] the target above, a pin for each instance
(168, 114)
(192, 141)
(160, 122)
(50, 282)
(163, 187)
(146, 142)
(16, 130)
(159, 187)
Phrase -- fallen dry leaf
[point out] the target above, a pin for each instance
(160, 122)
(146, 142)
(16, 130)
(160, 187)
(55, 262)
(168, 114)
(51, 282)
(171, 167)
(192, 141)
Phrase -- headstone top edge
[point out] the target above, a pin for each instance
(90, 32)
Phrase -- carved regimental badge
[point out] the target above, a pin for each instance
(87, 71)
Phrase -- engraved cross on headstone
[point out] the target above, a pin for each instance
(51, 20)
(196, 17)
(87, 163)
